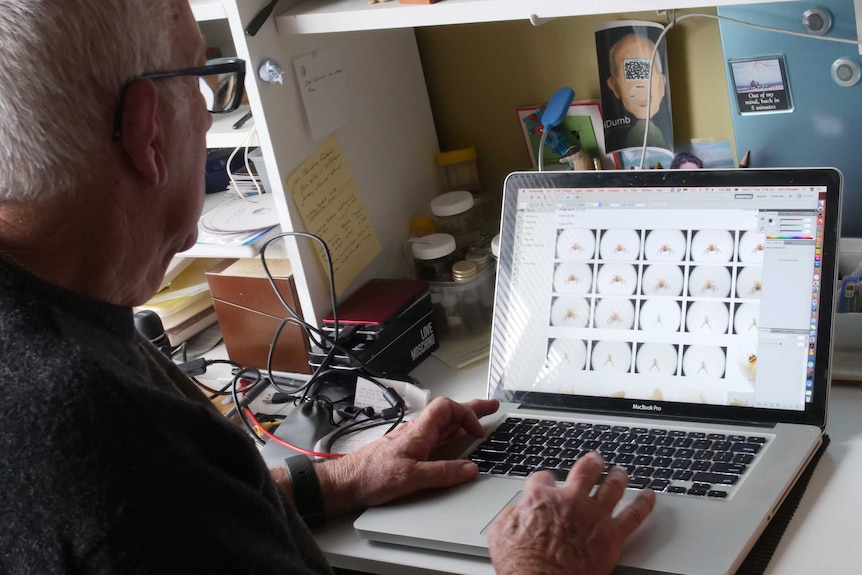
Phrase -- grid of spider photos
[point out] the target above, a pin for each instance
(675, 304)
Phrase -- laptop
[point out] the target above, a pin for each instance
(695, 306)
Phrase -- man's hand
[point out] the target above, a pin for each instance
(563, 530)
(397, 464)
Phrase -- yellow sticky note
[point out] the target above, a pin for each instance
(326, 196)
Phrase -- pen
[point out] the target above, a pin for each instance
(746, 160)
(241, 122)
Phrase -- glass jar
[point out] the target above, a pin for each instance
(459, 169)
(454, 214)
(433, 256)
(465, 273)
(483, 258)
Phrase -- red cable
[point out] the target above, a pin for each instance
(272, 437)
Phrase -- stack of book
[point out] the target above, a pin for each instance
(244, 183)
(184, 303)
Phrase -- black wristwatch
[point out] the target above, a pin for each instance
(307, 497)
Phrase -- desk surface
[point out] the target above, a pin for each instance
(823, 536)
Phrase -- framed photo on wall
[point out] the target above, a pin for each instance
(582, 125)
(761, 85)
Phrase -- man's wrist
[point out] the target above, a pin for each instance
(307, 495)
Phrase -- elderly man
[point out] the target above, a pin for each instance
(113, 462)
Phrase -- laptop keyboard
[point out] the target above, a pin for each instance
(667, 460)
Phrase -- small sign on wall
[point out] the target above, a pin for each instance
(761, 85)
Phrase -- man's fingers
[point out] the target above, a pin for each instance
(636, 512)
(447, 416)
(612, 488)
(482, 407)
(443, 473)
(586, 472)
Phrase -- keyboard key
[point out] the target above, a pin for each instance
(644, 472)
(729, 468)
(697, 491)
(717, 493)
(683, 475)
(715, 478)
(675, 489)
(752, 448)
(639, 482)
(664, 473)
(743, 458)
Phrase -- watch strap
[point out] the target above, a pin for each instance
(307, 496)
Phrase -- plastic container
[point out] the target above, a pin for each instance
(460, 303)
(460, 171)
(433, 256)
(454, 214)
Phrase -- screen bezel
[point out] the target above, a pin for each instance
(814, 412)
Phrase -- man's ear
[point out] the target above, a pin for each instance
(612, 84)
(141, 136)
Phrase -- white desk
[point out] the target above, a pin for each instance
(823, 536)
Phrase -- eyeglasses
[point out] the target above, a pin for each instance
(221, 82)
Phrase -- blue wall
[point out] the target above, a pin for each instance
(825, 128)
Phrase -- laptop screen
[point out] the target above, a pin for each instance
(702, 293)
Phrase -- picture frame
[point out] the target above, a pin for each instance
(761, 85)
(583, 117)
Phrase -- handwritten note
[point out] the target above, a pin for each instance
(322, 82)
(325, 194)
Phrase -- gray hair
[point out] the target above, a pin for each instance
(65, 63)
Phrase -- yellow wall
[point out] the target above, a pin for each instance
(478, 74)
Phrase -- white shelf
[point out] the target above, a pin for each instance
(207, 10)
(223, 135)
(320, 16)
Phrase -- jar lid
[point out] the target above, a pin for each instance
(481, 256)
(422, 226)
(456, 156)
(433, 246)
(464, 271)
(452, 203)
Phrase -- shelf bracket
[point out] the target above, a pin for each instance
(538, 20)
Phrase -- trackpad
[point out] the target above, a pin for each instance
(513, 501)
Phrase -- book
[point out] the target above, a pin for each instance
(192, 326)
(187, 294)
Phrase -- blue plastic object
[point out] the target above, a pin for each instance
(557, 106)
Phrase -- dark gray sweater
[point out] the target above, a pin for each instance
(112, 461)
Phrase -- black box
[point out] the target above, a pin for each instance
(394, 355)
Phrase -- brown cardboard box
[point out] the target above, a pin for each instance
(249, 314)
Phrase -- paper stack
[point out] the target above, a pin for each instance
(244, 183)
(235, 227)
(185, 306)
